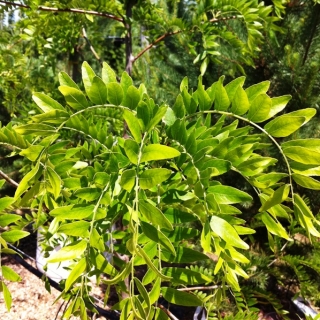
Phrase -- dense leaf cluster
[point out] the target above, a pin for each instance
(160, 177)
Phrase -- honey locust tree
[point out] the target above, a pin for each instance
(105, 151)
(162, 182)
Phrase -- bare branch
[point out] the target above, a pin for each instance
(161, 38)
(199, 288)
(84, 34)
(154, 43)
(8, 179)
(71, 10)
(169, 314)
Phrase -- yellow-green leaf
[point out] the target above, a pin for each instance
(70, 252)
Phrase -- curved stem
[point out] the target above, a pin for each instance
(262, 130)
(96, 208)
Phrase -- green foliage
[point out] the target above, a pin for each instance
(164, 179)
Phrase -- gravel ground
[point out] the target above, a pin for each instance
(30, 300)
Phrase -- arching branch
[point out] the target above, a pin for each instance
(154, 43)
(168, 34)
(71, 10)
(8, 179)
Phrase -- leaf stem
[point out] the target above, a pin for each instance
(262, 130)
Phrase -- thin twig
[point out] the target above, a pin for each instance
(168, 34)
(199, 288)
(169, 314)
(71, 10)
(8, 179)
(154, 43)
(84, 34)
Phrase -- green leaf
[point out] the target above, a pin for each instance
(183, 255)
(75, 273)
(128, 179)
(87, 75)
(257, 89)
(206, 237)
(72, 183)
(154, 215)
(143, 254)
(143, 292)
(233, 86)
(313, 144)
(6, 219)
(32, 153)
(133, 125)
(151, 177)
(6, 202)
(225, 231)
(65, 80)
(71, 212)
(6, 295)
(101, 178)
(96, 240)
(274, 227)
(75, 229)
(115, 93)
(53, 117)
(157, 118)
(284, 125)
(280, 195)
(14, 235)
(186, 276)
(305, 210)
(178, 107)
(120, 276)
(108, 75)
(36, 129)
(240, 102)
(303, 155)
(228, 195)
(278, 104)
(158, 152)
(308, 113)
(97, 92)
(74, 97)
(180, 298)
(70, 252)
(221, 101)
(177, 216)
(46, 103)
(305, 217)
(126, 81)
(306, 182)
(260, 108)
(9, 274)
(132, 150)
(88, 194)
(131, 98)
(157, 236)
(24, 183)
(160, 315)
(184, 84)
(55, 182)
(180, 233)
